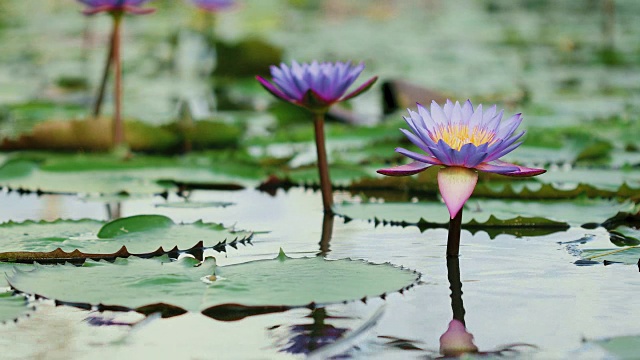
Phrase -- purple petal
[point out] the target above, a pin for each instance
(437, 114)
(405, 170)
(522, 171)
(497, 167)
(498, 149)
(467, 111)
(456, 185)
(476, 118)
(446, 153)
(448, 108)
(426, 118)
(362, 88)
(272, 89)
(456, 114)
(416, 141)
(501, 153)
(418, 157)
(508, 127)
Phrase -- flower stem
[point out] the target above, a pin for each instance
(97, 106)
(118, 127)
(323, 167)
(453, 273)
(453, 241)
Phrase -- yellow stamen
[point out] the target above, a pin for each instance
(457, 135)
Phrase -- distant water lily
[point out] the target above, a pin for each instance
(115, 8)
(317, 86)
(126, 6)
(214, 5)
(463, 140)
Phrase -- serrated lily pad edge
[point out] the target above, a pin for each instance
(77, 257)
(168, 310)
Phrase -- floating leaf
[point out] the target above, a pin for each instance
(194, 204)
(143, 235)
(103, 174)
(142, 284)
(627, 255)
(12, 307)
(621, 347)
(487, 213)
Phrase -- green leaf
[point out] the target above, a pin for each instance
(628, 255)
(621, 347)
(12, 307)
(136, 283)
(105, 174)
(140, 235)
(133, 224)
(491, 212)
(621, 246)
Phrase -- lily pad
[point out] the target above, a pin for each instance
(628, 255)
(621, 347)
(143, 235)
(104, 174)
(487, 213)
(191, 285)
(12, 307)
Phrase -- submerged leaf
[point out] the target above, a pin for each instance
(142, 235)
(187, 284)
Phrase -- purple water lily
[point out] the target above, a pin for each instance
(116, 9)
(214, 5)
(113, 6)
(463, 140)
(315, 86)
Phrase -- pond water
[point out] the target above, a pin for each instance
(521, 296)
(516, 290)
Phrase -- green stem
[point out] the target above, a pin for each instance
(323, 167)
(453, 273)
(97, 106)
(118, 127)
(453, 241)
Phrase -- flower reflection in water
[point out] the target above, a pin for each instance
(456, 341)
(305, 338)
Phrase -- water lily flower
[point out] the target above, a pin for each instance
(462, 140)
(214, 5)
(457, 340)
(113, 6)
(317, 86)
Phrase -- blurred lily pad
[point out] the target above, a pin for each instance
(12, 307)
(489, 213)
(620, 347)
(95, 135)
(628, 255)
(142, 235)
(195, 286)
(105, 174)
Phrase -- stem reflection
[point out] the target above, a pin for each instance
(327, 232)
